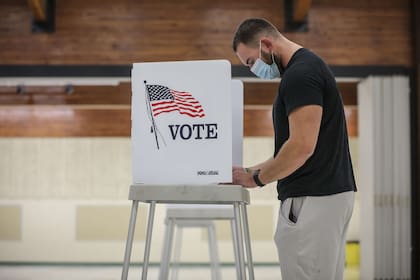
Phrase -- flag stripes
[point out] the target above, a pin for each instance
(165, 100)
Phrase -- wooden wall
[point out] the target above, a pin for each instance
(105, 32)
(106, 110)
(343, 32)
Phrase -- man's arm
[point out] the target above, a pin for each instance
(259, 166)
(304, 124)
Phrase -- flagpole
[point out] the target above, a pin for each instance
(151, 113)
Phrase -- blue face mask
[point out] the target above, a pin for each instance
(264, 70)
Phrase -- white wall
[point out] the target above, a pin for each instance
(69, 202)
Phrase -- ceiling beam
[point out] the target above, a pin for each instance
(296, 15)
(38, 9)
(301, 10)
(43, 15)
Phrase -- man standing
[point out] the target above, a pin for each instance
(311, 160)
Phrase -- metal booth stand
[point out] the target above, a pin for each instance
(235, 195)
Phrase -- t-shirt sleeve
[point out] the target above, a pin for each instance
(302, 88)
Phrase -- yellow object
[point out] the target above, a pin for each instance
(352, 254)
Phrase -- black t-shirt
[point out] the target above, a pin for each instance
(307, 80)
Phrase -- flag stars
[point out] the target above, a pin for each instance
(158, 92)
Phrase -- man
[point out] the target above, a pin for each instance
(311, 160)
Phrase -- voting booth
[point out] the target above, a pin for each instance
(187, 130)
(182, 122)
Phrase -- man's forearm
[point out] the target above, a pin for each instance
(290, 157)
(260, 165)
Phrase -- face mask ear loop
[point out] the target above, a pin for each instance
(259, 54)
(272, 55)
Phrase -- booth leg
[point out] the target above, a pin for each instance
(247, 242)
(177, 252)
(238, 226)
(167, 249)
(129, 243)
(148, 240)
(235, 248)
(214, 255)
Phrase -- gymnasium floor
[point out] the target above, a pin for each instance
(112, 272)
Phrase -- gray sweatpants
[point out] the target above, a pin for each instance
(311, 236)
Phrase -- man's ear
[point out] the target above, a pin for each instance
(266, 44)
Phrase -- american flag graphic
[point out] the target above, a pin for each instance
(165, 100)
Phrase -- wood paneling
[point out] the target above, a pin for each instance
(105, 110)
(352, 120)
(344, 32)
(113, 120)
(258, 121)
(46, 95)
(64, 121)
(348, 93)
(262, 93)
(258, 93)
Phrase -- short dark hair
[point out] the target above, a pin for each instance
(250, 30)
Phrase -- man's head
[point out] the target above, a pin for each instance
(254, 40)
(251, 30)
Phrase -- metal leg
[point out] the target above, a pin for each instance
(166, 250)
(235, 248)
(237, 215)
(130, 238)
(177, 252)
(247, 242)
(148, 240)
(214, 256)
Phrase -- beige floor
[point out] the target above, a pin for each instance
(112, 272)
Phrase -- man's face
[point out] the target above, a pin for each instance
(248, 55)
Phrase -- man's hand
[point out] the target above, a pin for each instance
(241, 177)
